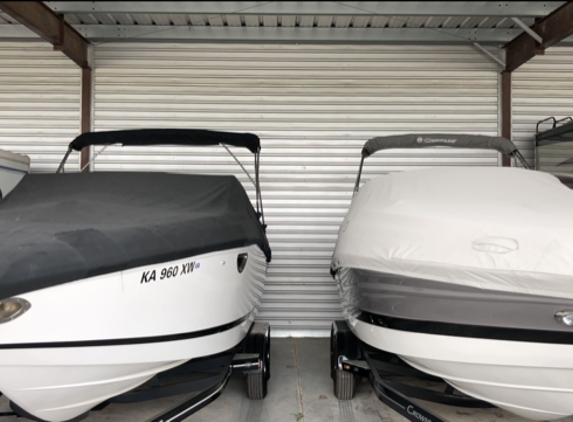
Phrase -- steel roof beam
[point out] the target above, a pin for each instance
(527, 29)
(553, 28)
(135, 33)
(490, 54)
(355, 8)
(44, 22)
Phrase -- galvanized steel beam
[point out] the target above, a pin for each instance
(126, 33)
(304, 35)
(356, 8)
(554, 28)
(17, 32)
(527, 29)
(51, 27)
(99, 33)
(490, 54)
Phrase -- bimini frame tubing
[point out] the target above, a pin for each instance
(191, 137)
(502, 145)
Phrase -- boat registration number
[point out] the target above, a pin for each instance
(168, 272)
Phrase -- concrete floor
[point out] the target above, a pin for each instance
(300, 389)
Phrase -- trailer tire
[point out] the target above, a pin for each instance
(344, 385)
(342, 342)
(257, 381)
(256, 386)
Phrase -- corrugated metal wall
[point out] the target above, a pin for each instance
(39, 103)
(543, 87)
(313, 107)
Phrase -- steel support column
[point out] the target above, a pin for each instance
(86, 115)
(506, 111)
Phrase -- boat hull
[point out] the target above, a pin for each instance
(83, 342)
(533, 378)
(12, 168)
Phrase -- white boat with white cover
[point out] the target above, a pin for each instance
(466, 273)
(109, 278)
(12, 168)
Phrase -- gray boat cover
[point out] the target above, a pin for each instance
(58, 228)
(493, 228)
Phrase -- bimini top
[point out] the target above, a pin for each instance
(58, 228)
(497, 228)
(140, 137)
(502, 145)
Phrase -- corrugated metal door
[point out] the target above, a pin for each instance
(313, 107)
(542, 87)
(39, 103)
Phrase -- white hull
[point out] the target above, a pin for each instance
(12, 168)
(86, 341)
(533, 380)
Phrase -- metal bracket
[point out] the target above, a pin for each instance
(490, 54)
(350, 365)
(246, 362)
(527, 29)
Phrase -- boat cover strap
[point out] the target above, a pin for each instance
(143, 137)
(58, 228)
(497, 143)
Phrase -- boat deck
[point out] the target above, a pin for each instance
(300, 390)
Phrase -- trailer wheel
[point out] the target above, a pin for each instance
(344, 382)
(257, 381)
(256, 386)
(344, 385)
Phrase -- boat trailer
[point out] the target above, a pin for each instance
(206, 378)
(350, 358)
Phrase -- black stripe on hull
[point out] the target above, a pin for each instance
(14, 169)
(130, 341)
(469, 331)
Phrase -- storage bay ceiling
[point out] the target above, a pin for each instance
(314, 80)
(343, 22)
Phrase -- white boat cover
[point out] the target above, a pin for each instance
(495, 228)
